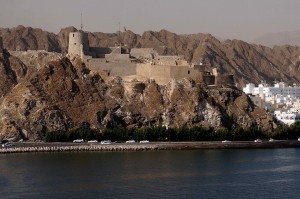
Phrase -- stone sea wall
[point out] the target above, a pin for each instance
(71, 147)
(75, 148)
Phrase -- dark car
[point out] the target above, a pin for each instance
(4, 141)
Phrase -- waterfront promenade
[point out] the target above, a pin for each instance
(69, 147)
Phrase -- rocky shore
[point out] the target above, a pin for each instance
(73, 147)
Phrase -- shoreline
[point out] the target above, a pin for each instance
(33, 147)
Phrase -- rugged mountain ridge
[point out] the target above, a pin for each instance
(61, 93)
(247, 62)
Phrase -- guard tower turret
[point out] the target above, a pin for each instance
(78, 43)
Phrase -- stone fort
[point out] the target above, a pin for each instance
(140, 63)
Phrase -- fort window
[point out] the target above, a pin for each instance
(73, 35)
(74, 43)
(108, 74)
(188, 72)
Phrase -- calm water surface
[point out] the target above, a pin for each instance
(157, 174)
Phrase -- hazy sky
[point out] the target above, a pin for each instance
(240, 19)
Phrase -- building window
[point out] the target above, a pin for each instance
(73, 35)
(74, 43)
(108, 74)
(188, 72)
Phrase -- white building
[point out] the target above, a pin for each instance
(287, 117)
(278, 89)
(276, 98)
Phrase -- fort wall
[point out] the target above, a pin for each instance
(171, 60)
(141, 63)
(159, 73)
(118, 58)
(112, 68)
(179, 72)
(164, 74)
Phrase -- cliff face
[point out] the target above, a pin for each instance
(63, 94)
(247, 62)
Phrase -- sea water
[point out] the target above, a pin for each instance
(263, 173)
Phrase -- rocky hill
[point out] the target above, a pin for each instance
(45, 91)
(248, 62)
(27, 38)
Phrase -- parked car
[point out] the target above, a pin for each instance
(7, 144)
(299, 139)
(78, 141)
(92, 141)
(4, 141)
(271, 140)
(258, 140)
(144, 141)
(226, 141)
(130, 141)
(105, 142)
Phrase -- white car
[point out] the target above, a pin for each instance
(258, 140)
(130, 141)
(299, 139)
(92, 141)
(271, 140)
(226, 141)
(78, 140)
(105, 142)
(144, 141)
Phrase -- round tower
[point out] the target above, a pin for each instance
(78, 43)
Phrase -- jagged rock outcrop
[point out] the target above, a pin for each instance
(64, 94)
(1, 44)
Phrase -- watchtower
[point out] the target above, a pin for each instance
(78, 43)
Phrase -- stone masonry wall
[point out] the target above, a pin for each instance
(179, 72)
(114, 69)
(164, 74)
(124, 58)
(157, 72)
